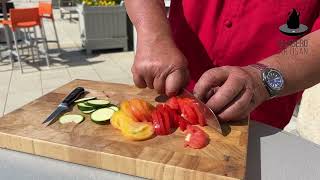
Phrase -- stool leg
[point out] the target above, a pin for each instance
(17, 49)
(30, 49)
(35, 40)
(45, 46)
(44, 33)
(55, 32)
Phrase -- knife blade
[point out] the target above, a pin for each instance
(212, 120)
(64, 105)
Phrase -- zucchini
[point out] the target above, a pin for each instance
(76, 118)
(88, 112)
(84, 107)
(84, 99)
(102, 115)
(115, 108)
(97, 103)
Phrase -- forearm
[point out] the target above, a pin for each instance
(149, 18)
(300, 66)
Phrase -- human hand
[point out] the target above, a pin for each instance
(160, 65)
(231, 92)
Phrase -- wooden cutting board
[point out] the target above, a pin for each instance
(102, 146)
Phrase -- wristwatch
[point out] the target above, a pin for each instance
(272, 79)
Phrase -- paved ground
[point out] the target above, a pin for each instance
(17, 89)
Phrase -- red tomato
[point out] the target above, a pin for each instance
(156, 123)
(182, 122)
(171, 113)
(189, 114)
(200, 116)
(173, 103)
(162, 127)
(196, 138)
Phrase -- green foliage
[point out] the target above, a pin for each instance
(101, 2)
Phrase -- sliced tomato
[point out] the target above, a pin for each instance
(166, 118)
(196, 138)
(182, 122)
(156, 123)
(173, 103)
(189, 114)
(148, 109)
(200, 114)
(171, 113)
(161, 123)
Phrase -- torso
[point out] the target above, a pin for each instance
(226, 32)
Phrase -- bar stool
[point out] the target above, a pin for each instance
(25, 19)
(45, 12)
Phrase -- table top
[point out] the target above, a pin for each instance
(272, 154)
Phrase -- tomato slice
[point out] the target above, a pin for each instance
(171, 113)
(200, 114)
(156, 123)
(182, 122)
(162, 127)
(166, 118)
(173, 103)
(189, 114)
(196, 138)
(137, 109)
(147, 109)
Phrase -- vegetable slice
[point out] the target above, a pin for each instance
(69, 118)
(84, 107)
(98, 103)
(84, 99)
(101, 115)
(115, 108)
(88, 112)
(196, 138)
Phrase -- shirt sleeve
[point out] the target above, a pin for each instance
(316, 24)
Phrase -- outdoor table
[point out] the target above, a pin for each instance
(272, 154)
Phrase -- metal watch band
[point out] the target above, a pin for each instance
(259, 66)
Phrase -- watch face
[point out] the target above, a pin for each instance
(274, 79)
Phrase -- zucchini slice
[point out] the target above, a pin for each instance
(102, 115)
(69, 118)
(84, 107)
(84, 99)
(115, 108)
(97, 103)
(88, 112)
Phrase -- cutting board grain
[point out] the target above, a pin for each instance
(104, 147)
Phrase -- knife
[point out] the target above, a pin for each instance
(212, 120)
(64, 105)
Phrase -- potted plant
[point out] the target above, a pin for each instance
(103, 24)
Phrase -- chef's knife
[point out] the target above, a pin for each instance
(64, 105)
(211, 118)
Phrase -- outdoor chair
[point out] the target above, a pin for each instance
(29, 19)
(45, 12)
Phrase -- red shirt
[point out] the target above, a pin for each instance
(214, 33)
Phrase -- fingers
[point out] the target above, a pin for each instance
(226, 93)
(240, 108)
(138, 80)
(175, 81)
(209, 80)
(159, 84)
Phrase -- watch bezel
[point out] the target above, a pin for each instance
(265, 79)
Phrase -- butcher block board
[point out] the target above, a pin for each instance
(102, 146)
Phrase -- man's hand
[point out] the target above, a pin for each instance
(231, 92)
(160, 65)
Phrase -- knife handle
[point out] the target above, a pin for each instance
(73, 95)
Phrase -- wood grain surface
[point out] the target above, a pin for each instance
(103, 146)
